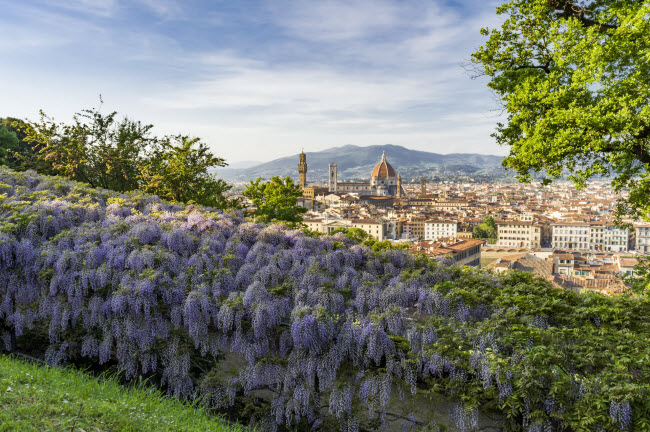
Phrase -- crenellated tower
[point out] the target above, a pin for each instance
(423, 187)
(302, 169)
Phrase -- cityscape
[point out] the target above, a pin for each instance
(325, 216)
(567, 235)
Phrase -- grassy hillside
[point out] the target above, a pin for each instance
(39, 398)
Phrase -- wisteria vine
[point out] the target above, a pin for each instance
(325, 331)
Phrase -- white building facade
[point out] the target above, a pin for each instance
(589, 237)
(570, 236)
(642, 238)
(609, 238)
(435, 229)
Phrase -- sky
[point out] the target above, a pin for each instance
(258, 80)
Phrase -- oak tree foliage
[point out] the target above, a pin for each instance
(572, 76)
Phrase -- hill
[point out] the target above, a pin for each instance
(34, 397)
(355, 162)
(287, 330)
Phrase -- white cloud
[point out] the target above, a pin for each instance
(102, 8)
(34, 27)
(335, 20)
(252, 102)
(334, 73)
(167, 9)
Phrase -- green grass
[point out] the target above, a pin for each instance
(34, 397)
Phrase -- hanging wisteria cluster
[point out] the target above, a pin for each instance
(327, 333)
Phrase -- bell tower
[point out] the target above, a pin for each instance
(423, 187)
(302, 169)
(399, 185)
(333, 178)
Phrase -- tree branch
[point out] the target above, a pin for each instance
(544, 67)
(639, 149)
(570, 10)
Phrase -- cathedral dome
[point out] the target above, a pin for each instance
(383, 169)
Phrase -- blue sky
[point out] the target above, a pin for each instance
(257, 79)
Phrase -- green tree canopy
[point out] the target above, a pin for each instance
(8, 145)
(18, 155)
(114, 153)
(486, 230)
(275, 200)
(356, 235)
(97, 149)
(178, 170)
(573, 79)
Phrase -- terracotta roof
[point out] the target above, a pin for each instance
(365, 221)
(628, 262)
(538, 266)
(383, 168)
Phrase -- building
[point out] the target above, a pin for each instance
(375, 228)
(460, 251)
(570, 236)
(599, 271)
(437, 228)
(526, 233)
(589, 236)
(642, 238)
(563, 263)
(302, 170)
(383, 181)
(608, 237)
(333, 178)
(413, 228)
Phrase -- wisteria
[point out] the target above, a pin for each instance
(326, 333)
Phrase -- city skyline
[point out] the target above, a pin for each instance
(258, 80)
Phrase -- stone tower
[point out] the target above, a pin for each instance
(399, 185)
(423, 187)
(302, 169)
(333, 178)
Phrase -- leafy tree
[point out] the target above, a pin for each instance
(122, 155)
(356, 235)
(96, 149)
(486, 230)
(275, 200)
(573, 79)
(8, 145)
(19, 156)
(178, 170)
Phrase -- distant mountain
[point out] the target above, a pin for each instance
(356, 162)
(243, 164)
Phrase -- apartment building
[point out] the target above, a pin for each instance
(519, 233)
(608, 237)
(437, 228)
(592, 236)
(414, 228)
(642, 238)
(570, 236)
